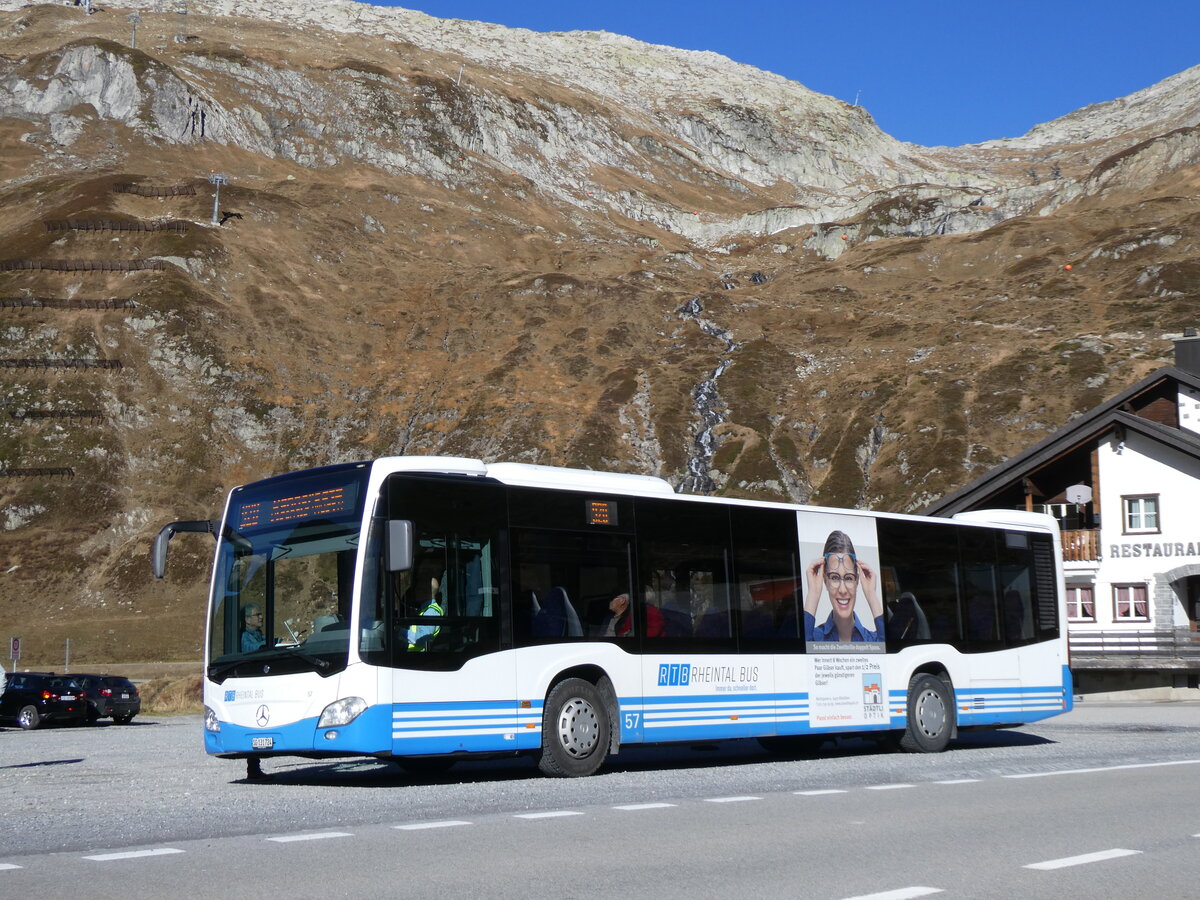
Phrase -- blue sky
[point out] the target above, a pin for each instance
(929, 71)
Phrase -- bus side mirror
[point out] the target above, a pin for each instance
(158, 550)
(398, 546)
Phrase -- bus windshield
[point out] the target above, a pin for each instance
(282, 594)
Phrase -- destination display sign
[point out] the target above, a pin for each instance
(601, 512)
(296, 501)
(294, 508)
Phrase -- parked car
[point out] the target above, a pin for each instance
(110, 695)
(32, 698)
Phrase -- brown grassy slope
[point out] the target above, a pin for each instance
(352, 313)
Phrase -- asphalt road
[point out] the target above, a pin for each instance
(1103, 802)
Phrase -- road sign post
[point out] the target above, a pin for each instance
(14, 651)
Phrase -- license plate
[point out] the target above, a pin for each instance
(124, 696)
(262, 743)
(67, 697)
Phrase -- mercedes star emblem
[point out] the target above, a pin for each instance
(263, 716)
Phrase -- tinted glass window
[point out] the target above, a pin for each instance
(1045, 587)
(683, 575)
(919, 581)
(446, 608)
(768, 596)
(980, 587)
(570, 585)
(569, 511)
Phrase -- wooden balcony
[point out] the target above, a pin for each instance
(1081, 546)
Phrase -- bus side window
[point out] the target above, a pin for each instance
(766, 562)
(683, 559)
(919, 563)
(564, 583)
(1016, 588)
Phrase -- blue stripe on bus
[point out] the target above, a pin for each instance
(366, 734)
(508, 703)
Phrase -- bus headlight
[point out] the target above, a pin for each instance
(341, 712)
(211, 723)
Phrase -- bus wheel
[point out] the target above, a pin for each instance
(575, 730)
(930, 715)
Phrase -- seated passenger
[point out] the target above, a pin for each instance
(618, 620)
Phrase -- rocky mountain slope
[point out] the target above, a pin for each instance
(574, 248)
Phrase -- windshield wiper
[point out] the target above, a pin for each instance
(220, 671)
(216, 672)
(321, 664)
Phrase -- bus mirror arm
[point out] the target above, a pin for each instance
(398, 546)
(158, 551)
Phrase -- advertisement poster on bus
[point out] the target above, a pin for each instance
(843, 619)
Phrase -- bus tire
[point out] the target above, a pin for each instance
(930, 715)
(575, 730)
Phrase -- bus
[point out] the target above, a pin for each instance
(432, 609)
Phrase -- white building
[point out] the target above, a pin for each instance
(1124, 481)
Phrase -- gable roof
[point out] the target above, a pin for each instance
(1097, 421)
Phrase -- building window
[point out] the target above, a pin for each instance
(1141, 514)
(1081, 603)
(1129, 603)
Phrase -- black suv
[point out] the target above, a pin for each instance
(110, 695)
(31, 698)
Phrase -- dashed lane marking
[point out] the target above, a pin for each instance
(133, 854)
(1154, 765)
(887, 787)
(319, 836)
(6, 866)
(548, 815)
(638, 806)
(820, 793)
(729, 799)
(1082, 860)
(421, 826)
(899, 894)
(958, 781)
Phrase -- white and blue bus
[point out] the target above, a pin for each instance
(429, 609)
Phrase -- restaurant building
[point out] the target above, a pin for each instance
(1123, 480)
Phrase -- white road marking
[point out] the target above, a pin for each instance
(547, 815)
(899, 894)
(1082, 859)
(320, 836)
(420, 826)
(959, 781)
(637, 806)
(133, 854)
(819, 793)
(729, 799)
(1177, 762)
(887, 787)
(5, 866)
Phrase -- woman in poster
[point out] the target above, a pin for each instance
(840, 572)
